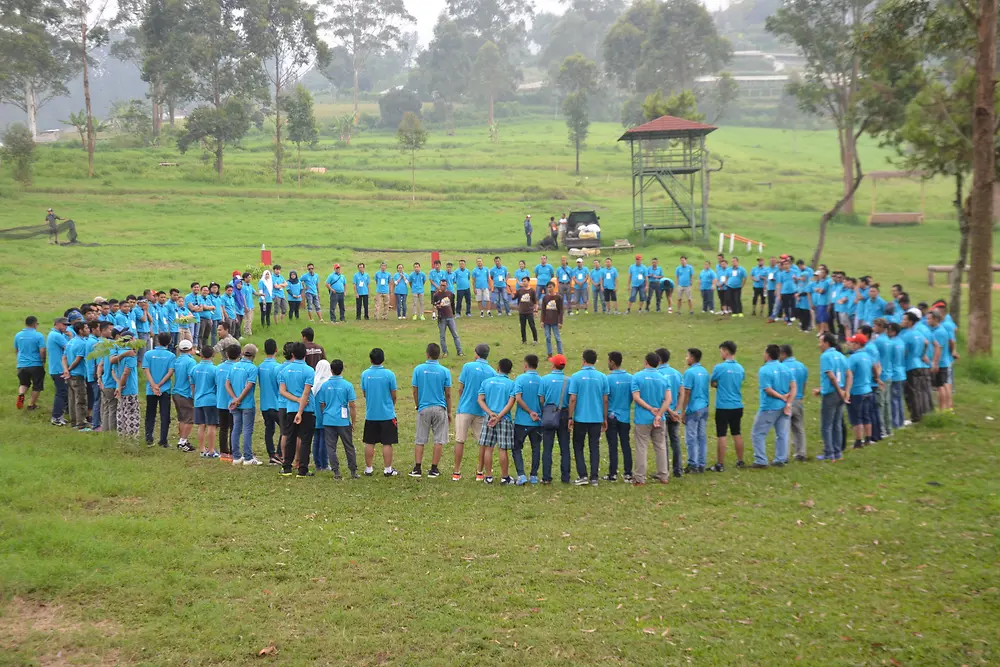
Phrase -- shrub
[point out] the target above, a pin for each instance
(19, 151)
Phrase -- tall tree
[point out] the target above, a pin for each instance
(365, 28)
(301, 122)
(681, 105)
(446, 66)
(578, 79)
(491, 74)
(215, 128)
(503, 22)
(88, 30)
(830, 84)
(221, 60)
(411, 136)
(283, 33)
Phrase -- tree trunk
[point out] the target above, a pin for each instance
(829, 215)
(491, 109)
(356, 95)
(961, 208)
(980, 334)
(171, 111)
(31, 107)
(413, 175)
(91, 139)
(848, 148)
(277, 121)
(157, 90)
(218, 160)
(577, 142)
(300, 166)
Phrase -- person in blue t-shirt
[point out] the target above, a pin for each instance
(462, 286)
(240, 385)
(722, 286)
(481, 284)
(383, 280)
(310, 283)
(337, 402)
(400, 291)
(468, 413)
(859, 386)
(30, 347)
(941, 359)
(76, 365)
(736, 278)
(727, 380)
(777, 393)
(786, 287)
(158, 367)
(693, 404)
(544, 273)
(295, 388)
(620, 420)
(580, 278)
(417, 281)
(597, 286)
(684, 273)
(362, 282)
(501, 292)
(638, 283)
(652, 395)
(797, 421)
(656, 284)
(431, 384)
(378, 384)
(434, 277)
(758, 275)
(609, 283)
(527, 422)
(336, 285)
(294, 287)
(918, 351)
(496, 400)
(588, 416)
(706, 285)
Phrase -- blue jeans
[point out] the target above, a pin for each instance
(243, 420)
(62, 395)
(580, 297)
(707, 300)
(401, 305)
(501, 299)
(321, 457)
(762, 424)
(598, 294)
(695, 432)
(637, 292)
(897, 404)
(550, 330)
(831, 425)
(94, 401)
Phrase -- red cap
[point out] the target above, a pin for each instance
(638, 256)
(235, 273)
(860, 339)
(336, 266)
(558, 360)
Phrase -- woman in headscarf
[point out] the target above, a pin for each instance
(294, 289)
(320, 457)
(239, 300)
(265, 290)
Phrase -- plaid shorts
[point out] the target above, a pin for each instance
(501, 435)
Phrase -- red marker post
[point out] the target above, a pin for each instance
(265, 256)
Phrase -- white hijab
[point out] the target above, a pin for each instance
(268, 283)
(321, 375)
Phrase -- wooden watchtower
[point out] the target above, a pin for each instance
(669, 154)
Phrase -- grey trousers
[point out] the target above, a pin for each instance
(644, 434)
(449, 324)
(344, 433)
(109, 410)
(78, 400)
(798, 428)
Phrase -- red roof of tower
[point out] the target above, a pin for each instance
(666, 127)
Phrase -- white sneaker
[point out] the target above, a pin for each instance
(252, 462)
(907, 422)
(237, 462)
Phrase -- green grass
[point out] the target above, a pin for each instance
(113, 554)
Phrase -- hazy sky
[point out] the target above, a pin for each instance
(427, 11)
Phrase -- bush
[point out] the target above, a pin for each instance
(394, 105)
(984, 370)
(19, 152)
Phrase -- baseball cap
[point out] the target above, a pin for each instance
(75, 316)
(99, 300)
(249, 350)
(336, 266)
(579, 259)
(236, 274)
(638, 256)
(558, 360)
(859, 339)
(50, 210)
(60, 320)
(184, 345)
(121, 330)
(529, 215)
(916, 311)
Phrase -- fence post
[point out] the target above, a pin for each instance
(722, 240)
(732, 242)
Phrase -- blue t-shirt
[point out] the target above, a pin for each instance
(451, 278)
(722, 275)
(400, 286)
(860, 365)
(674, 380)
(499, 277)
(382, 279)
(705, 278)
(580, 276)
(131, 386)
(294, 291)
(297, 377)
(620, 396)
(472, 376)
(610, 278)
(728, 377)
(278, 282)
(637, 275)
(337, 282)
(590, 386)
(29, 343)
(334, 399)
(497, 392)
(184, 365)
(554, 389)
(758, 275)
(77, 348)
(311, 282)
(377, 384)
(55, 345)
(481, 277)
(107, 379)
(684, 274)
(361, 282)
(563, 274)
(884, 348)
(435, 276)
(787, 280)
(943, 338)
(821, 292)
(799, 373)
(417, 281)
(521, 274)
(898, 350)
(544, 273)
(430, 378)
(158, 362)
(836, 363)
(736, 277)
(462, 279)
(218, 313)
(774, 376)
(916, 348)
(528, 385)
(696, 381)
(652, 387)
(92, 340)
(222, 373)
(596, 278)
(142, 319)
(244, 373)
(267, 380)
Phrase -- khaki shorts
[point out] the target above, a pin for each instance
(185, 409)
(684, 293)
(432, 420)
(482, 296)
(464, 422)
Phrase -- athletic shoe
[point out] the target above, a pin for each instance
(369, 473)
(821, 458)
(481, 314)
(355, 475)
(416, 472)
(778, 464)
(85, 429)
(610, 478)
(186, 447)
(507, 481)
(285, 473)
(718, 467)
(456, 477)
(215, 455)
(759, 466)
(162, 444)
(581, 481)
(414, 318)
(226, 457)
(32, 407)
(422, 318)
(800, 457)
(273, 461)
(205, 455)
(521, 480)
(670, 311)
(307, 473)
(533, 479)
(252, 462)
(480, 476)
(391, 472)
(628, 478)
(907, 422)
(593, 482)
(489, 480)
(434, 473)
(740, 464)
(337, 477)
(150, 443)
(20, 401)
(58, 422)
(238, 462)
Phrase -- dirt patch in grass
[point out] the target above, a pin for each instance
(50, 635)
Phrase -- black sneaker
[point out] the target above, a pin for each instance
(759, 466)
(581, 481)
(677, 473)
(858, 445)
(718, 467)
(355, 475)
(507, 481)
(164, 445)
(285, 473)
(701, 469)
(392, 472)
(628, 478)
(593, 482)
(150, 443)
(369, 473)
(800, 457)
(186, 447)
(612, 478)
(308, 473)
(740, 464)
(488, 480)
(778, 464)
(434, 472)
(416, 472)
(689, 469)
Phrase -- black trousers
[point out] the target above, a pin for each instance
(548, 441)
(467, 295)
(787, 306)
(591, 433)
(298, 443)
(293, 309)
(534, 435)
(758, 294)
(805, 317)
(528, 320)
(360, 301)
(619, 432)
(163, 403)
(735, 299)
(770, 302)
(270, 425)
(265, 313)
(674, 436)
(225, 431)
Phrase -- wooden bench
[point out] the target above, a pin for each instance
(948, 269)
(168, 164)
(891, 219)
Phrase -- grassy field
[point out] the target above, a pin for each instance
(114, 554)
